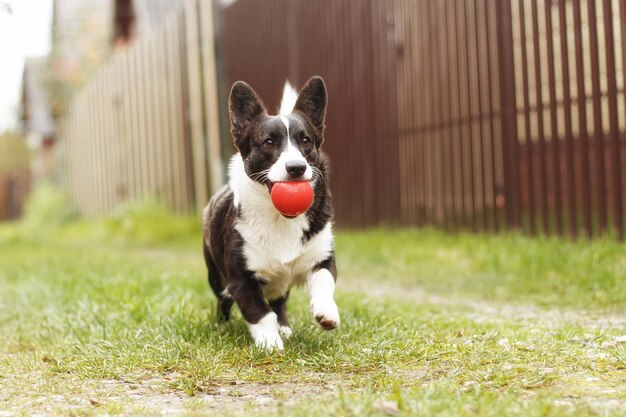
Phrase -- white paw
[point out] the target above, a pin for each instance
(285, 331)
(326, 313)
(265, 333)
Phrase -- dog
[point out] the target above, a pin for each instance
(254, 254)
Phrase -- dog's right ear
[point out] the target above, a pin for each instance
(312, 101)
(243, 105)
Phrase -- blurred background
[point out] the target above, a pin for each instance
(461, 114)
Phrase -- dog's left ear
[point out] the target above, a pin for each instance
(312, 102)
(244, 106)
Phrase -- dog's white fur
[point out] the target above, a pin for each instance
(288, 102)
(321, 287)
(265, 332)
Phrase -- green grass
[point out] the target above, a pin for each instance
(115, 317)
(546, 271)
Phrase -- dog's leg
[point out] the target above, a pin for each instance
(247, 291)
(279, 306)
(321, 286)
(216, 281)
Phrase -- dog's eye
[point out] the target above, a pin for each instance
(306, 140)
(269, 143)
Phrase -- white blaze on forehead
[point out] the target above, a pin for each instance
(278, 172)
(291, 153)
(286, 123)
(290, 96)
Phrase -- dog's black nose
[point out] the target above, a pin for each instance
(295, 169)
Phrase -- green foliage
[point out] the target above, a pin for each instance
(147, 221)
(14, 154)
(49, 212)
(46, 210)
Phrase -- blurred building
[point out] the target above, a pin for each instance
(38, 123)
(84, 35)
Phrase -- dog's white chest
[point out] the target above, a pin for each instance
(274, 250)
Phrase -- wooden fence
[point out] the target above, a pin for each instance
(477, 114)
(147, 124)
(571, 117)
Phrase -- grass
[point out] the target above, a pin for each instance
(513, 268)
(115, 317)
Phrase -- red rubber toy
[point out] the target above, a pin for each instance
(292, 198)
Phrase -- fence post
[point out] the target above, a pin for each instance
(194, 110)
(510, 141)
(211, 95)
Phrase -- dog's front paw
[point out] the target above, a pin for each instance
(269, 342)
(265, 333)
(326, 314)
(285, 331)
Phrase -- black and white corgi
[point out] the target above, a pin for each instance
(254, 254)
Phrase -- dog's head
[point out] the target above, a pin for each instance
(279, 148)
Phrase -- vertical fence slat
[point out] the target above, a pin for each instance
(491, 116)
(437, 134)
(555, 140)
(211, 95)
(598, 135)
(422, 110)
(460, 114)
(466, 116)
(473, 138)
(583, 137)
(543, 175)
(618, 221)
(621, 145)
(391, 170)
(109, 138)
(169, 115)
(94, 121)
(403, 116)
(160, 138)
(405, 133)
(424, 142)
(479, 27)
(147, 77)
(136, 154)
(176, 112)
(508, 109)
(452, 139)
(530, 169)
(187, 146)
(128, 131)
(567, 104)
(420, 91)
(194, 112)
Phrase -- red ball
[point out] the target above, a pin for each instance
(292, 198)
